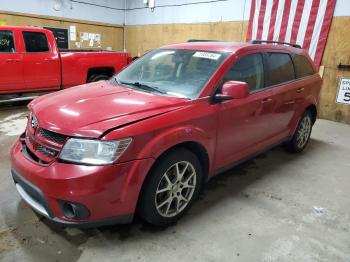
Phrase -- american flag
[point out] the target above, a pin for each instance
(303, 22)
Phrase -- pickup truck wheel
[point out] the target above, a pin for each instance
(170, 188)
(95, 78)
(302, 134)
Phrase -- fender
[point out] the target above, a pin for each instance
(308, 101)
(155, 148)
(175, 136)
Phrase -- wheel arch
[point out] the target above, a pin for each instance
(93, 71)
(313, 110)
(196, 148)
(193, 146)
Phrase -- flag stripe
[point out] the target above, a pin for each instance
(297, 20)
(305, 22)
(318, 27)
(311, 24)
(293, 9)
(255, 19)
(325, 29)
(251, 18)
(277, 28)
(261, 19)
(267, 19)
(285, 17)
(273, 20)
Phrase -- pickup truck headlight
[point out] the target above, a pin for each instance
(93, 152)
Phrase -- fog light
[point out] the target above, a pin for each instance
(74, 210)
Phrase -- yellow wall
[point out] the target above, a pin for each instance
(111, 35)
(141, 38)
(337, 50)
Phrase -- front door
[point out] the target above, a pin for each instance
(244, 125)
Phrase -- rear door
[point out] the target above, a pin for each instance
(11, 63)
(244, 125)
(288, 93)
(41, 62)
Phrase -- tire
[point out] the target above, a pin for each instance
(302, 134)
(176, 193)
(95, 78)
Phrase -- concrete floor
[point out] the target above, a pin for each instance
(276, 207)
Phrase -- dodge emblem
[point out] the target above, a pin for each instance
(34, 122)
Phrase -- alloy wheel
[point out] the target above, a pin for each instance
(175, 189)
(304, 132)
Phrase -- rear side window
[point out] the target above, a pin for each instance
(35, 42)
(7, 44)
(303, 66)
(281, 68)
(249, 69)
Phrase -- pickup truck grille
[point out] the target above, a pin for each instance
(42, 145)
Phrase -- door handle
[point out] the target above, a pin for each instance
(266, 100)
(12, 60)
(49, 59)
(300, 90)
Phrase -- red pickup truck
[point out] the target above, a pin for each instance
(30, 62)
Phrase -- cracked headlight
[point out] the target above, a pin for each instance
(94, 152)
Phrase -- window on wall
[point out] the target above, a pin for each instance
(35, 42)
(249, 69)
(281, 68)
(303, 66)
(7, 44)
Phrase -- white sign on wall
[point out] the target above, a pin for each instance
(343, 95)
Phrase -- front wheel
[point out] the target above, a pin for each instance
(302, 134)
(170, 188)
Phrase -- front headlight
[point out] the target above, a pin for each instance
(93, 152)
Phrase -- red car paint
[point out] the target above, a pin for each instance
(22, 71)
(229, 132)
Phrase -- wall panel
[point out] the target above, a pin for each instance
(337, 50)
(112, 35)
(140, 38)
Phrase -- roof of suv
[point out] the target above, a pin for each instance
(231, 47)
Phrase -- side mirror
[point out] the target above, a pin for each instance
(233, 90)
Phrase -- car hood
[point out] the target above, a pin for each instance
(90, 110)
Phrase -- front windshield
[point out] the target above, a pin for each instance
(173, 72)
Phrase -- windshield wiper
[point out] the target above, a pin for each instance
(143, 86)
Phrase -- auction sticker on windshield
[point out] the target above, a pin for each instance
(208, 55)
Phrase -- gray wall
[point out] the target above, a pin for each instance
(230, 10)
(70, 9)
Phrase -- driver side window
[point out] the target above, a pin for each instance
(249, 69)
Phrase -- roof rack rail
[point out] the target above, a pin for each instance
(254, 42)
(201, 40)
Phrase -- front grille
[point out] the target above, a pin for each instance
(52, 136)
(46, 151)
(43, 146)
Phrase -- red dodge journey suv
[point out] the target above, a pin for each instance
(145, 141)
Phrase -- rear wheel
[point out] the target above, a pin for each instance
(302, 134)
(95, 78)
(170, 188)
